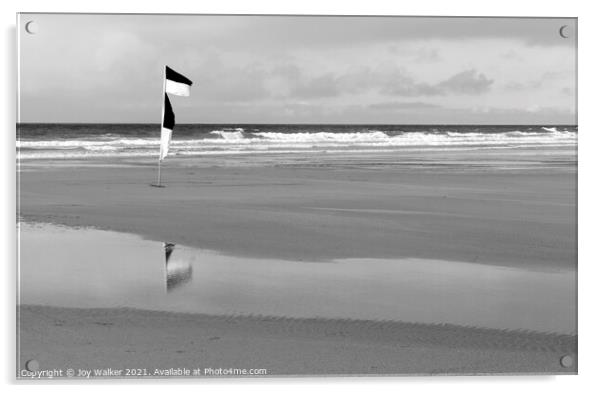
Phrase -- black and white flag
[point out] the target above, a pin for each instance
(169, 120)
(176, 84)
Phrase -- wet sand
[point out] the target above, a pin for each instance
(89, 268)
(523, 218)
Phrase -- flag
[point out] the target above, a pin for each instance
(169, 120)
(176, 84)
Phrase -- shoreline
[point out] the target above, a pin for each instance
(126, 338)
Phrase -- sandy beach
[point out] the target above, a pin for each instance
(61, 338)
(522, 218)
(514, 218)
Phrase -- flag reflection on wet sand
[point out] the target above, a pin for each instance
(177, 271)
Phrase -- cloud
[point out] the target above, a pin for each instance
(333, 31)
(296, 69)
(466, 82)
(371, 114)
(322, 86)
(405, 86)
(223, 81)
(511, 55)
(568, 91)
(418, 55)
(386, 106)
(389, 81)
(549, 78)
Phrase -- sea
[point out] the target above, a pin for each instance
(97, 141)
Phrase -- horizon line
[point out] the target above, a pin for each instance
(316, 124)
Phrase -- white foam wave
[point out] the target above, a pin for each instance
(237, 141)
(316, 137)
(82, 143)
(235, 135)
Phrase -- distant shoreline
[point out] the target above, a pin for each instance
(318, 124)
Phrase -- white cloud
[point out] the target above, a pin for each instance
(256, 69)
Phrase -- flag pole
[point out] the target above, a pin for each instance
(161, 124)
(159, 174)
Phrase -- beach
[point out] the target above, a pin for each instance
(513, 209)
(329, 211)
(125, 338)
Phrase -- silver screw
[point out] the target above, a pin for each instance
(31, 27)
(566, 361)
(32, 365)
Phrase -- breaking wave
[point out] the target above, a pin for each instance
(240, 141)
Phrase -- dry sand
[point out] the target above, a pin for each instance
(523, 218)
(64, 338)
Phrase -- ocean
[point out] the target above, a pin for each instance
(84, 141)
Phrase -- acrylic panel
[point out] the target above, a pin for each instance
(217, 196)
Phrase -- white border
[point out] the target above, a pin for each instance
(590, 143)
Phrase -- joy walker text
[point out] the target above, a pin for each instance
(141, 372)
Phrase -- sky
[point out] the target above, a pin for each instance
(299, 69)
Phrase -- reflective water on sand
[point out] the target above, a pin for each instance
(90, 268)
